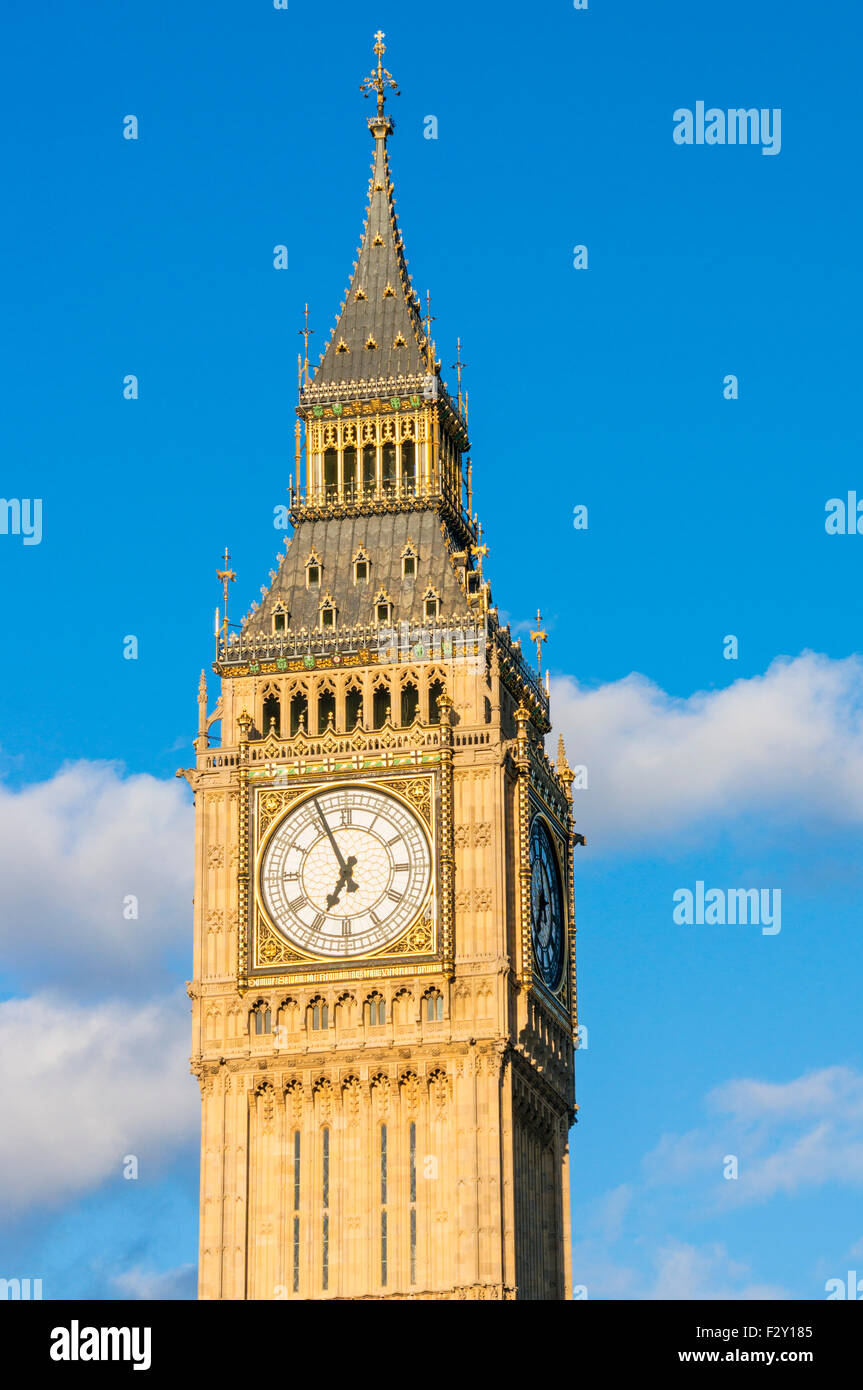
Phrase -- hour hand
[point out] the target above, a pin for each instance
(344, 880)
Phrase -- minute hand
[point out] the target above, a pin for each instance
(330, 836)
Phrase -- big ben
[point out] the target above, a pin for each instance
(384, 1004)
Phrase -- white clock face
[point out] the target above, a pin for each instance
(346, 871)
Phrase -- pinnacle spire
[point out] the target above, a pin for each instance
(379, 332)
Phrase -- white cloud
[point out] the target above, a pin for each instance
(81, 1088)
(72, 849)
(788, 744)
(786, 1137)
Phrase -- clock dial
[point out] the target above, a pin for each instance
(346, 871)
(546, 904)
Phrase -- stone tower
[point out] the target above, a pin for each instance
(384, 963)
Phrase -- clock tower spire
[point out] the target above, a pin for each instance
(384, 968)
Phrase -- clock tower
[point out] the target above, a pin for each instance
(384, 961)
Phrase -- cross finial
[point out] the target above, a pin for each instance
(380, 79)
(539, 637)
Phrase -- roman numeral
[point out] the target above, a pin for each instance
(346, 927)
(297, 903)
(395, 840)
(318, 922)
(394, 897)
(346, 815)
(401, 868)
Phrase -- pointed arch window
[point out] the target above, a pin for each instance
(434, 1007)
(272, 715)
(353, 707)
(326, 710)
(262, 1018)
(436, 690)
(376, 1011)
(299, 713)
(410, 703)
(319, 1015)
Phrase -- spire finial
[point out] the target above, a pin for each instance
(306, 333)
(539, 637)
(458, 365)
(378, 81)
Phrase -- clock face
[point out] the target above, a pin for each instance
(346, 871)
(546, 904)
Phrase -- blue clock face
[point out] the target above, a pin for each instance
(546, 905)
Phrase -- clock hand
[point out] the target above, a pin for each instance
(339, 856)
(346, 880)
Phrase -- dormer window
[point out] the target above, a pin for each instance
(431, 604)
(280, 620)
(399, 342)
(314, 569)
(383, 607)
(472, 582)
(378, 241)
(409, 562)
(342, 346)
(389, 292)
(360, 294)
(327, 612)
(362, 567)
(370, 342)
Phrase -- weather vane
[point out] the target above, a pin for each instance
(539, 637)
(381, 79)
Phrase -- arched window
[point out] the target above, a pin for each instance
(299, 713)
(319, 1015)
(272, 715)
(376, 1011)
(369, 467)
(412, 1196)
(353, 708)
(325, 1207)
(434, 1007)
(263, 1018)
(388, 467)
(326, 710)
(381, 706)
(331, 473)
(296, 1214)
(410, 703)
(436, 690)
(409, 467)
(383, 1159)
(349, 466)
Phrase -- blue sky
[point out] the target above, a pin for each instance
(601, 387)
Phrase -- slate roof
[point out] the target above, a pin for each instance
(336, 541)
(380, 303)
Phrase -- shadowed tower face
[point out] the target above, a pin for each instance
(384, 970)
